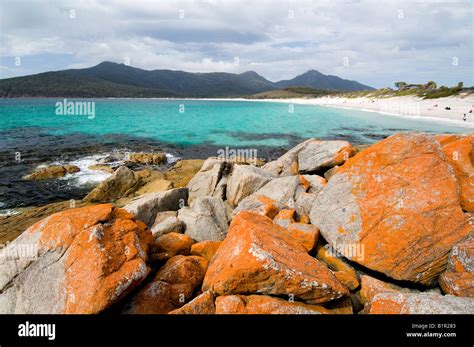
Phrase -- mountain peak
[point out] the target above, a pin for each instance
(315, 79)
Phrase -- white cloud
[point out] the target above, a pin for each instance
(384, 41)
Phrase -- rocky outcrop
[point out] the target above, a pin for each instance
(311, 156)
(201, 304)
(183, 171)
(306, 234)
(294, 192)
(173, 244)
(459, 276)
(50, 172)
(79, 261)
(206, 219)
(398, 202)
(418, 303)
(146, 207)
(211, 180)
(285, 217)
(263, 304)
(244, 181)
(206, 249)
(257, 256)
(343, 271)
(101, 167)
(459, 151)
(166, 222)
(172, 287)
(156, 185)
(147, 158)
(370, 287)
(123, 182)
(293, 244)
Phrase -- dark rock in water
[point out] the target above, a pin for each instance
(51, 172)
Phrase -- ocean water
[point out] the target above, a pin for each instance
(192, 122)
(183, 128)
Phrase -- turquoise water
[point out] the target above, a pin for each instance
(232, 123)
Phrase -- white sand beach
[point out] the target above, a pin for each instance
(407, 106)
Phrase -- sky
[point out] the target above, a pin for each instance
(374, 42)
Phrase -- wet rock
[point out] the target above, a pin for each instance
(147, 158)
(53, 171)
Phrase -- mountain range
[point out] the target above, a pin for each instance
(110, 79)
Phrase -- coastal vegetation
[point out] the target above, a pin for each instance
(425, 91)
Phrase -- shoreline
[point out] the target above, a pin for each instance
(415, 108)
(409, 107)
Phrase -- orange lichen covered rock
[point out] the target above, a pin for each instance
(342, 270)
(369, 287)
(285, 217)
(85, 260)
(201, 304)
(306, 234)
(263, 304)
(174, 243)
(418, 303)
(171, 288)
(259, 256)
(205, 249)
(459, 151)
(459, 276)
(398, 201)
(457, 283)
